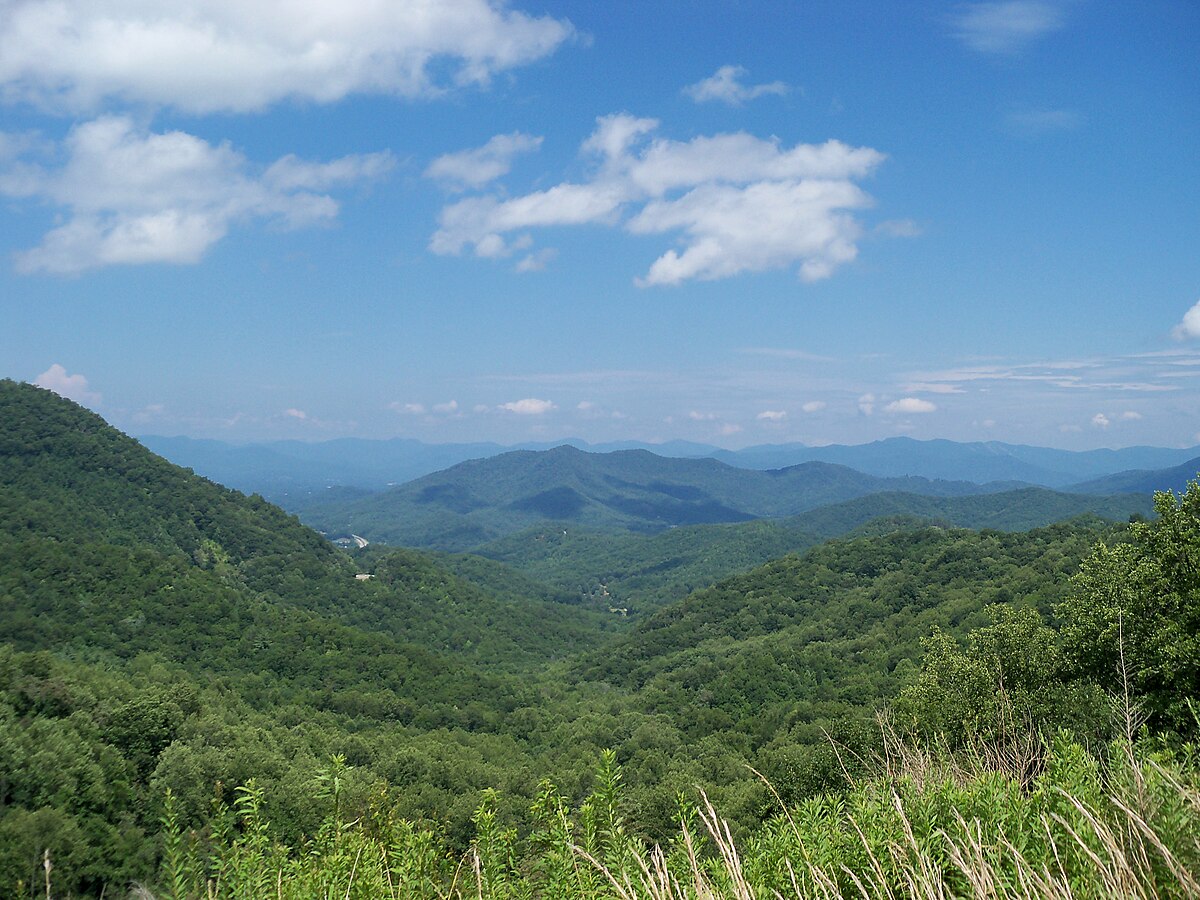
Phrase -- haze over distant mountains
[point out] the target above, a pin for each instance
(285, 471)
(478, 501)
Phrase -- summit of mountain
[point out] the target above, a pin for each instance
(632, 490)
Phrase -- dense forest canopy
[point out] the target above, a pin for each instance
(199, 694)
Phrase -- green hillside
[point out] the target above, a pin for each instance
(1143, 481)
(198, 694)
(66, 475)
(805, 640)
(638, 572)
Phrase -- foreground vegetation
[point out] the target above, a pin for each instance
(1023, 819)
(198, 696)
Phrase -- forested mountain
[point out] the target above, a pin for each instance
(1142, 481)
(638, 572)
(632, 490)
(803, 640)
(84, 507)
(197, 693)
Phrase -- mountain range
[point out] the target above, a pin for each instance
(633, 490)
(163, 633)
(289, 472)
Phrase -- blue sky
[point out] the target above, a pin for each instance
(730, 222)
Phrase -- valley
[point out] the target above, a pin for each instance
(180, 650)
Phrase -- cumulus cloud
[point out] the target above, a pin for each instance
(1131, 415)
(1190, 326)
(1100, 420)
(448, 408)
(1006, 27)
(813, 406)
(296, 414)
(475, 168)
(910, 405)
(205, 56)
(73, 387)
(772, 415)
(726, 86)
(737, 203)
(866, 404)
(529, 407)
(767, 225)
(132, 196)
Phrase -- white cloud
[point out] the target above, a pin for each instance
(726, 86)
(529, 407)
(813, 406)
(73, 387)
(475, 168)
(448, 408)
(697, 416)
(408, 409)
(1100, 420)
(738, 202)
(766, 225)
(1091, 375)
(134, 196)
(296, 414)
(772, 415)
(1130, 415)
(934, 387)
(866, 404)
(206, 56)
(1190, 326)
(536, 262)
(1008, 26)
(910, 405)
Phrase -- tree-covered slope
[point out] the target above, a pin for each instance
(828, 633)
(1143, 481)
(639, 572)
(66, 475)
(102, 542)
(1017, 510)
(634, 490)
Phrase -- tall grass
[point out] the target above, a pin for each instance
(1040, 820)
